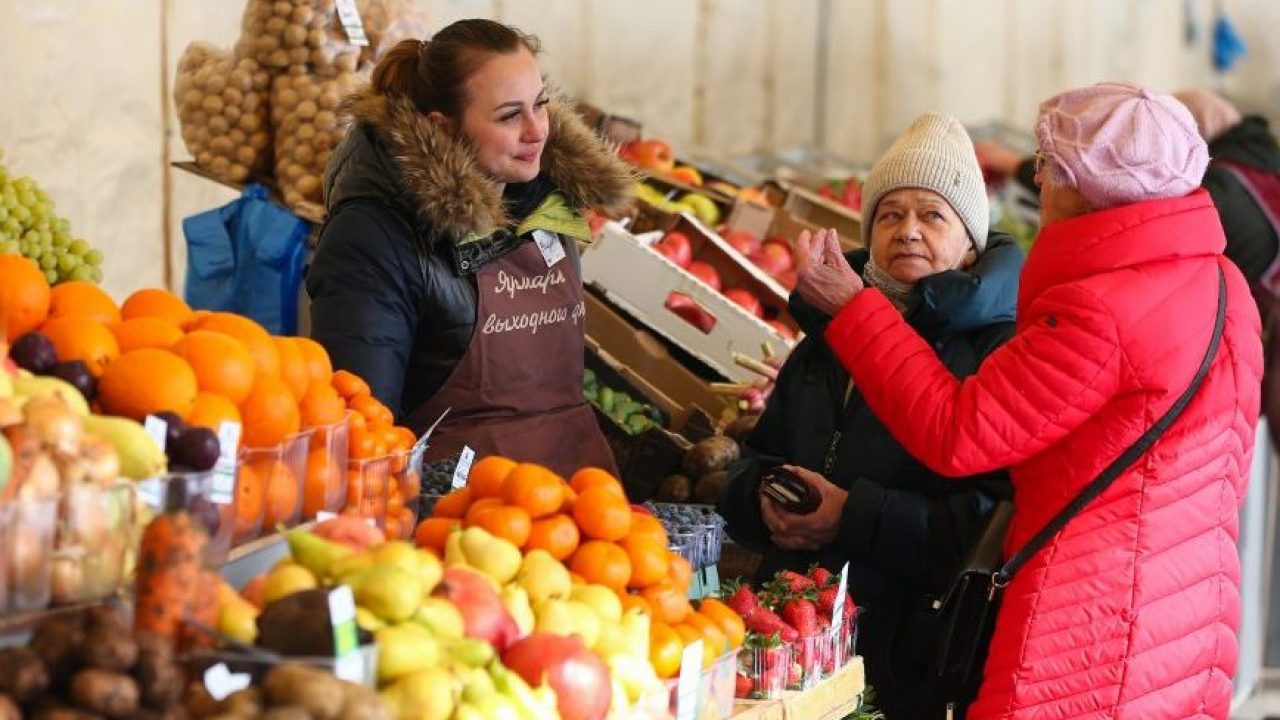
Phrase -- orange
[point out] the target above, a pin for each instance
(84, 339)
(508, 522)
(77, 298)
(479, 507)
(24, 296)
(534, 488)
(670, 604)
(679, 571)
(570, 497)
(361, 444)
(603, 563)
(391, 526)
(222, 364)
(316, 358)
(407, 519)
(487, 475)
(143, 332)
(321, 406)
(648, 558)
(266, 359)
(404, 439)
(293, 367)
(378, 432)
(270, 413)
(157, 303)
(210, 410)
(557, 535)
(631, 601)
(349, 385)
(372, 409)
(645, 525)
(322, 481)
(145, 381)
(729, 621)
(280, 503)
(602, 514)
(454, 505)
(250, 494)
(589, 477)
(433, 532)
(666, 648)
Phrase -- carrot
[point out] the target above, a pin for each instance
(168, 582)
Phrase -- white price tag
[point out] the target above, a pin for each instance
(687, 685)
(842, 590)
(221, 682)
(349, 15)
(322, 515)
(550, 246)
(349, 667)
(158, 430)
(463, 469)
(224, 470)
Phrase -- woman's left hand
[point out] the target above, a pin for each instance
(814, 530)
(823, 276)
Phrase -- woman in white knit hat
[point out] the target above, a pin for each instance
(902, 528)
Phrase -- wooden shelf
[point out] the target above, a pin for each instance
(313, 213)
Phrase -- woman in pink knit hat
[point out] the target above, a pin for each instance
(1132, 326)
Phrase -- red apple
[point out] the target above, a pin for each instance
(746, 300)
(676, 247)
(578, 676)
(705, 273)
(483, 615)
(744, 241)
(786, 279)
(690, 311)
(774, 257)
(782, 329)
(651, 154)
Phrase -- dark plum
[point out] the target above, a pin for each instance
(34, 353)
(174, 427)
(197, 448)
(77, 374)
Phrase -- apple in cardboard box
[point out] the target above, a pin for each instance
(675, 246)
(744, 241)
(746, 300)
(690, 311)
(782, 329)
(651, 154)
(704, 272)
(688, 175)
(774, 257)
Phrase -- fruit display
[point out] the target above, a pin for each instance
(790, 640)
(633, 416)
(30, 228)
(847, 192)
(222, 108)
(699, 205)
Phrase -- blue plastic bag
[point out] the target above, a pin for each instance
(247, 257)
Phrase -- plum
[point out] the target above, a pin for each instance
(196, 448)
(77, 374)
(34, 353)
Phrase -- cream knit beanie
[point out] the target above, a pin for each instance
(936, 154)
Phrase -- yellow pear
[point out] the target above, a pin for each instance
(586, 623)
(471, 652)
(427, 694)
(390, 592)
(405, 649)
(634, 629)
(493, 556)
(601, 599)
(343, 569)
(237, 618)
(544, 577)
(429, 571)
(453, 553)
(516, 600)
(366, 620)
(286, 579)
(314, 552)
(442, 617)
(555, 617)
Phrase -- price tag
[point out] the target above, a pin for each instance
(322, 515)
(349, 15)
(221, 682)
(463, 469)
(687, 685)
(550, 246)
(224, 470)
(342, 616)
(842, 590)
(158, 430)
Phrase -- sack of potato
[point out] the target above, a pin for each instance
(387, 22)
(304, 115)
(281, 33)
(222, 110)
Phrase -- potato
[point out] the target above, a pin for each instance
(216, 95)
(286, 712)
(363, 704)
(245, 703)
(56, 640)
(109, 694)
(23, 675)
(315, 691)
(108, 648)
(60, 712)
(199, 702)
(304, 109)
(709, 455)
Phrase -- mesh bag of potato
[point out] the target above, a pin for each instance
(387, 22)
(281, 33)
(304, 115)
(222, 109)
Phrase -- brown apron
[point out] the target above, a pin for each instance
(517, 391)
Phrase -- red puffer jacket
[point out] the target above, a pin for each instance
(1131, 610)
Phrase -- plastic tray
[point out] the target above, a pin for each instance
(96, 541)
(324, 487)
(269, 486)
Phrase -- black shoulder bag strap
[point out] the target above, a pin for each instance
(1091, 491)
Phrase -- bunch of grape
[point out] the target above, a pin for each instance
(29, 226)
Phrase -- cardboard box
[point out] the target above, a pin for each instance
(832, 699)
(637, 279)
(811, 208)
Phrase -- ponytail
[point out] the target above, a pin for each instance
(399, 72)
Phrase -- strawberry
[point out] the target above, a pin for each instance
(821, 576)
(794, 582)
(801, 615)
(827, 601)
(743, 601)
(742, 686)
(767, 622)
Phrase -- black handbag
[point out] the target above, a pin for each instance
(967, 613)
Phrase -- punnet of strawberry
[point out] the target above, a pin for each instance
(791, 642)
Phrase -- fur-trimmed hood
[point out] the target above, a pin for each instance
(392, 149)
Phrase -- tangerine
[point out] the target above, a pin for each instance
(534, 488)
(679, 571)
(210, 410)
(266, 359)
(649, 562)
(372, 409)
(157, 303)
(729, 621)
(24, 296)
(589, 477)
(316, 358)
(84, 339)
(322, 481)
(321, 406)
(557, 535)
(349, 385)
(602, 563)
(666, 650)
(221, 363)
(293, 367)
(146, 381)
(631, 601)
(404, 439)
(602, 514)
(433, 532)
(508, 522)
(270, 413)
(281, 501)
(250, 494)
(453, 505)
(143, 332)
(670, 604)
(646, 525)
(479, 507)
(78, 298)
(487, 474)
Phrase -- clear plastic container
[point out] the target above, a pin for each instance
(96, 541)
(217, 512)
(820, 656)
(715, 689)
(269, 487)
(6, 519)
(324, 488)
(367, 483)
(409, 479)
(767, 669)
(29, 544)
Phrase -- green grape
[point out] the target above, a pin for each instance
(93, 257)
(28, 198)
(24, 184)
(48, 261)
(21, 213)
(79, 247)
(4, 213)
(62, 225)
(67, 263)
(95, 274)
(61, 240)
(9, 247)
(83, 273)
(12, 227)
(51, 276)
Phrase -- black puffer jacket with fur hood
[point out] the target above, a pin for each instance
(386, 301)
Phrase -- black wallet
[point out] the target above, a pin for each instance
(789, 491)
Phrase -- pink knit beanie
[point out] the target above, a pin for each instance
(1117, 143)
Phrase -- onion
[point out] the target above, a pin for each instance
(56, 425)
(100, 460)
